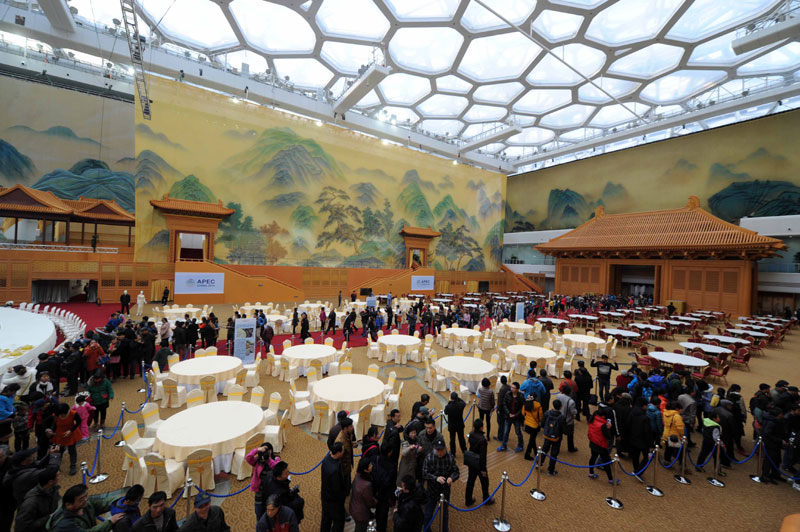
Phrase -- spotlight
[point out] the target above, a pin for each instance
(455, 162)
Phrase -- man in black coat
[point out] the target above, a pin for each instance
(278, 483)
(333, 491)
(640, 435)
(125, 302)
(41, 501)
(391, 435)
(409, 515)
(349, 325)
(158, 510)
(454, 414)
(584, 381)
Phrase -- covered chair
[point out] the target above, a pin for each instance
(152, 421)
(456, 386)
(174, 395)
(162, 475)
(252, 375)
(208, 384)
(300, 396)
(346, 368)
(300, 411)
(238, 380)
(236, 393)
(195, 398)
(438, 382)
(323, 417)
(199, 468)
(373, 370)
(276, 434)
(378, 416)
(289, 372)
(158, 389)
(239, 465)
(361, 420)
(257, 396)
(133, 465)
(271, 413)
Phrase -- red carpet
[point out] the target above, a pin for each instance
(94, 315)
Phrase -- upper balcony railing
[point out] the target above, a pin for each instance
(23, 246)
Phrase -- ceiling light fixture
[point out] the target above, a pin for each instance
(360, 88)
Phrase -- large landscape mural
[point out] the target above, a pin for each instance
(747, 169)
(67, 142)
(306, 193)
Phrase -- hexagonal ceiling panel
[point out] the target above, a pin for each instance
(457, 69)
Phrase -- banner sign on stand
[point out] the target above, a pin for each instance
(520, 313)
(244, 340)
(199, 283)
(422, 282)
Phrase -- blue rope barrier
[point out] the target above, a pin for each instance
(119, 423)
(312, 469)
(178, 497)
(641, 470)
(779, 470)
(146, 399)
(752, 453)
(579, 466)
(433, 518)
(676, 458)
(456, 508)
(469, 412)
(96, 454)
(533, 466)
(708, 459)
(201, 490)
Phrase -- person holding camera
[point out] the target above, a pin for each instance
(262, 459)
(278, 482)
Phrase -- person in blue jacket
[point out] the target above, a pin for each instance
(128, 506)
(533, 386)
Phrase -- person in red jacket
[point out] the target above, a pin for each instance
(67, 433)
(91, 356)
(599, 442)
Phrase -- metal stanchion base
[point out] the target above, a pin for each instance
(614, 503)
(120, 443)
(538, 495)
(97, 479)
(501, 525)
(654, 491)
(141, 390)
(680, 479)
(756, 479)
(716, 483)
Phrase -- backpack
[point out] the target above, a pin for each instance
(550, 425)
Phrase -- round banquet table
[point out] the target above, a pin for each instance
(462, 332)
(609, 313)
(189, 372)
(467, 370)
(754, 334)
(647, 326)
(755, 327)
(631, 311)
(726, 339)
(180, 311)
(583, 317)
(585, 342)
(302, 355)
(686, 318)
(23, 335)
(532, 352)
(393, 340)
(715, 349)
(309, 307)
(675, 358)
(248, 309)
(621, 332)
(516, 327)
(442, 299)
(222, 427)
(674, 322)
(348, 392)
(554, 321)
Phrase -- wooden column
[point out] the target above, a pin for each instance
(66, 235)
(83, 229)
(129, 236)
(16, 229)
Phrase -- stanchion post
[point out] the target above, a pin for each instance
(441, 422)
(143, 389)
(713, 480)
(684, 450)
(84, 472)
(474, 408)
(121, 442)
(500, 523)
(442, 505)
(759, 462)
(652, 489)
(188, 489)
(612, 501)
(537, 493)
(99, 477)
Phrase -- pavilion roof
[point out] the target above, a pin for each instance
(191, 208)
(20, 200)
(425, 232)
(688, 231)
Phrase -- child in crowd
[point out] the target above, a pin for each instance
(43, 385)
(84, 409)
(21, 429)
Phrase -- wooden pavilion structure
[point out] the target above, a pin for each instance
(418, 241)
(193, 218)
(698, 258)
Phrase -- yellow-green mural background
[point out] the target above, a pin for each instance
(306, 194)
(67, 142)
(746, 169)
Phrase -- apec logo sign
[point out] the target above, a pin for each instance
(422, 282)
(199, 283)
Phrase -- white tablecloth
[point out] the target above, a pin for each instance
(178, 313)
(726, 339)
(248, 309)
(515, 326)
(462, 332)
(583, 317)
(756, 327)
(532, 352)
(309, 308)
(23, 335)
(348, 392)
(610, 313)
(686, 318)
(468, 370)
(754, 334)
(715, 349)
(554, 321)
(189, 372)
(393, 340)
(584, 341)
(647, 326)
(675, 358)
(674, 322)
(621, 332)
(223, 427)
(302, 355)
